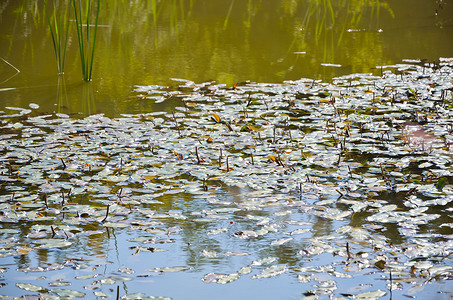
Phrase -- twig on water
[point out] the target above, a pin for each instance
(176, 122)
(198, 157)
(106, 214)
(16, 69)
(64, 165)
(45, 200)
(62, 200)
(53, 231)
(347, 250)
(391, 285)
(300, 191)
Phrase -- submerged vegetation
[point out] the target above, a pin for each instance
(339, 189)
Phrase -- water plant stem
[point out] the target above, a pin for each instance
(86, 41)
(59, 28)
(106, 214)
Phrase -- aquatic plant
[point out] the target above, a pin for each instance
(86, 41)
(59, 29)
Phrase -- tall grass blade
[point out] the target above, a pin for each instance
(86, 42)
(94, 38)
(59, 29)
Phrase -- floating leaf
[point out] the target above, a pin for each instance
(359, 234)
(212, 277)
(228, 278)
(215, 117)
(23, 250)
(116, 225)
(209, 253)
(217, 231)
(380, 264)
(370, 295)
(271, 271)
(281, 241)
(54, 243)
(245, 234)
(108, 280)
(263, 261)
(30, 287)
(101, 294)
(8, 230)
(88, 276)
(68, 294)
(59, 283)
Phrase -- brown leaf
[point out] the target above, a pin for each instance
(215, 117)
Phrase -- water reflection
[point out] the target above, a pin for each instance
(149, 42)
(62, 96)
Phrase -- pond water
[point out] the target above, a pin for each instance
(302, 190)
(324, 173)
(150, 42)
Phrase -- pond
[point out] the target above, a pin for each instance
(223, 181)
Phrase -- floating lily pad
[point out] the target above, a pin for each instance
(30, 287)
(271, 271)
(68, 294)
(54, 243)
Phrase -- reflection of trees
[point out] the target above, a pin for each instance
(196, 240)
(321, 226)
(82, 247)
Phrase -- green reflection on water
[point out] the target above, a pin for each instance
(149, 42)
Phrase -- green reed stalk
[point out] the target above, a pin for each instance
(86, 41)
(59, 28)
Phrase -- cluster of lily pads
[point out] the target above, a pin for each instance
(322, 182)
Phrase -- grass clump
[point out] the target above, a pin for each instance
(59, 29)
(85, 36)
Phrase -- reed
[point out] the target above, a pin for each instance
(86, 38)
(59, 29)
